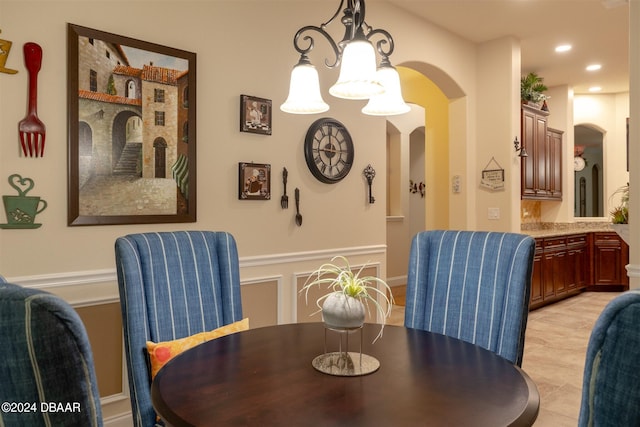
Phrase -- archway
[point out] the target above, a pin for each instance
(589, 179)
(435, 110)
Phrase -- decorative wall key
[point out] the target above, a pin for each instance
(370, 173)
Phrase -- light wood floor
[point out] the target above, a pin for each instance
(555, 347)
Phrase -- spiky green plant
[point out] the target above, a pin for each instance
(620, 214)
(344, 280)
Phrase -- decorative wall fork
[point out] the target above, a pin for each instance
(31, 129)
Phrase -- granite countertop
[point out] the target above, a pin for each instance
(563, 229)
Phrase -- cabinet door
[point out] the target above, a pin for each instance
(541, 153)
(534, 178)
(528, 128)
(607, 252)
(537, 278)
(577, 266)
(571, 270)
(559, 276)
(554, 163)
(548, 275)
(582, 267)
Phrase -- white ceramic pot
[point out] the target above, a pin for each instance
(340, 311)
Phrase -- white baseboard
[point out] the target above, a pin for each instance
(120, 420)
(396, 281)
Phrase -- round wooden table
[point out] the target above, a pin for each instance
(264, 377)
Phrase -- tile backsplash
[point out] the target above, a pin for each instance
(530, 212)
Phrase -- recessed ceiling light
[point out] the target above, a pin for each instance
(563, 48)
(594, 67)
(595, 89)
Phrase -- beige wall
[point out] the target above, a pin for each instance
(244, 47)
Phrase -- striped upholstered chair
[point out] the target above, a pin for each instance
(172, 285)
(45, 358)
(474, 286)
(611, 385)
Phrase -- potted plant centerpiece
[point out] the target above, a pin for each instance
(531, 89)
(620, 213)
(350, 295)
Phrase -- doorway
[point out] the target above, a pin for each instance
(589, 185)
(160, 148)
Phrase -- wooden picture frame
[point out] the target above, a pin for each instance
(255, 115)
(131, 130)
(254, 181)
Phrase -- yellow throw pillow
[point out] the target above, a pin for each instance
(160, 353)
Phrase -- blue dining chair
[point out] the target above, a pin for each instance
(172, 285)
(611, 381)
(45, 359)
(472, 285)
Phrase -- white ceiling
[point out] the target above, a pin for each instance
(598, 30)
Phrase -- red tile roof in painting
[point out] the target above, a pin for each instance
(104, 97)
(125, 70)
(162, 75)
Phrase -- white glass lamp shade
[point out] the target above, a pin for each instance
(390, 102)
(304, 92)
(357, 73)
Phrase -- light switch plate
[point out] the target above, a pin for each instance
(494, 213)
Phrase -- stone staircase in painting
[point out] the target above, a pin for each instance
(128, 161)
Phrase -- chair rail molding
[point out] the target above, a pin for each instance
(96, 287)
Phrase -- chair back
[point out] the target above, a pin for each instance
(45, 359)
(472, 285)
(172, 285)
(611, 384)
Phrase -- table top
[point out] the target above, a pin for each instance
(264, 377)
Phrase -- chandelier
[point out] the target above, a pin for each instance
(355, 55)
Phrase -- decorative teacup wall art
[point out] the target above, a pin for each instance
(21, 210)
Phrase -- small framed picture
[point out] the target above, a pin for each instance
(254, 181)
(255, 115)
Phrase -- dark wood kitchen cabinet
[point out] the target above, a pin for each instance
(610, 257)
(567, 265)
(553, 267)
(537, 295)
(577, 271)
(542, 169)
(554, 164)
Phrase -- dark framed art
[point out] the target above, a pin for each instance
(254, 181)
(255, 115)
(131, 130)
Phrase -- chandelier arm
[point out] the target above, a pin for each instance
(358, 14)
(334, 15)
(310, 40)
(380, 44)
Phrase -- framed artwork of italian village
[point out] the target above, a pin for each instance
(131, 130)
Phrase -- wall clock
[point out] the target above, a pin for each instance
(328, 150)
(578, 163)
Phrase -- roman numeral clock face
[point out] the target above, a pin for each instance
(328, 150)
